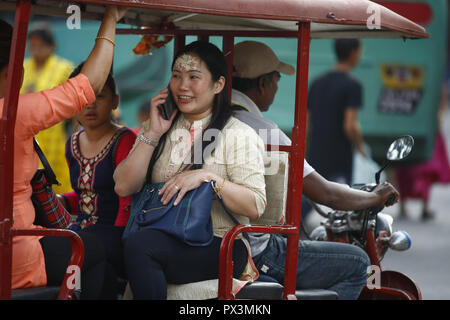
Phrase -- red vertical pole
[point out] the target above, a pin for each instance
(7, 123)
(293, 212)
(203, 37)
(179, 42)
(228, 49)
(226, 269)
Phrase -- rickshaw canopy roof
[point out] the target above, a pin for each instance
(329, 18)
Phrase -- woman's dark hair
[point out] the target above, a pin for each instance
(221, 112)
(344, 47)
(110, 82)
(5, 43)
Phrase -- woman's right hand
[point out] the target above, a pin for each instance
(116, 12)
(157, 125)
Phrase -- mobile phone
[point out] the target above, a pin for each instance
(167, 108)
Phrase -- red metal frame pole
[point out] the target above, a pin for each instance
(76, 259)
(371, 248)
(293, 212)
(179, 42)
(203, 34)
(226, 253)
(7, 124)
(203, 38)
(228, 49)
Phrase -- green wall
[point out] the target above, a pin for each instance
(140, 77)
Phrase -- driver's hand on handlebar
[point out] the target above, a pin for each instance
(387, 193)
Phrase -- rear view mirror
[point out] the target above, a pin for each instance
(400, 148)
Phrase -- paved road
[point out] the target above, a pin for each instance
(428, 260)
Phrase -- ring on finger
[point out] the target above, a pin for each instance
(177, 187)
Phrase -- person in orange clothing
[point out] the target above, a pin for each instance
(36, 112)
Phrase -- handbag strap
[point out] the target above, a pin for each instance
(50, 175)
(228, 213)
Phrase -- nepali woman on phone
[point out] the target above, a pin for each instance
(43, 262)
(199, 87)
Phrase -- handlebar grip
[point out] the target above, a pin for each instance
(390, 201)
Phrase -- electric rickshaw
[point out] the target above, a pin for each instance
(298, 19)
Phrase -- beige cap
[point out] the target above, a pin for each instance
(252, 59)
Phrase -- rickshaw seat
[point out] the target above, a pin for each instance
(304, 294)
(276, 178)
(36, 293)
(316, 294)
(268, 288)
(260, 290)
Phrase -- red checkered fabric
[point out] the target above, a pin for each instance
(50, 212)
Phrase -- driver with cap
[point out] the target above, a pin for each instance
(335, 266)
(256, 72)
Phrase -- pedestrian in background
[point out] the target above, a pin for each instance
(415, 181)
(334, 101)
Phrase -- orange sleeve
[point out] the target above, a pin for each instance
(41, 110)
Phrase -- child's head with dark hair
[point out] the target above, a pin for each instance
(110, 82)
(344, 48)
(100, 112)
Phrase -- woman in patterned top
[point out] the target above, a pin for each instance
(198, 83)
(92, 155)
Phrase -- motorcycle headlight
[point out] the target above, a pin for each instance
(384, 223)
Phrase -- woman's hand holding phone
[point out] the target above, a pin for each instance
(157, 124)
(168, 107)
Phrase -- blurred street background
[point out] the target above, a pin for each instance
(427, 262)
